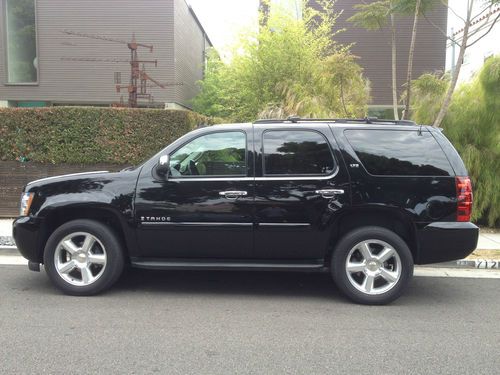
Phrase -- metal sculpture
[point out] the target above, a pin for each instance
(137, 87)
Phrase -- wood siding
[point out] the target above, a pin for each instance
(14, 176)
(83, 82)
(374, 48)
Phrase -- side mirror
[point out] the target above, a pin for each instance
(163, 166)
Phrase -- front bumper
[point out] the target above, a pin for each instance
(26, 232)
(445, 241)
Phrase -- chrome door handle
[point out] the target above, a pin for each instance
(329, 193)
(234, 194)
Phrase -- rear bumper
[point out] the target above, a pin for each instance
(445, 241)
(26, 231)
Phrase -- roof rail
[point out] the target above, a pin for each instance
(366, 120)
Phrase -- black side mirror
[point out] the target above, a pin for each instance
(163, 166)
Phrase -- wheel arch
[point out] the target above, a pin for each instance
(56, 217)
(391, 219)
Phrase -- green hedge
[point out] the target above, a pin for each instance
(90, 135)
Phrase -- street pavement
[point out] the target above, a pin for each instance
(246, 323)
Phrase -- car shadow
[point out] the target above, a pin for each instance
(287, 285)
(284, 284)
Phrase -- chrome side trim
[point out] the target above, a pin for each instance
(299, 178)
(197, 224)
(212, 179)
(64, 175)
(265, 178)
(284, 224)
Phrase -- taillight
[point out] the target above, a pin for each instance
(464, 198)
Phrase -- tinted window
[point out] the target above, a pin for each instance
(217, 154)
(399, 152)
(297, 152)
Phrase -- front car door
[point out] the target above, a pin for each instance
(203, 209)
(301, 186)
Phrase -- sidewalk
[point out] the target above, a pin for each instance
(6, 240)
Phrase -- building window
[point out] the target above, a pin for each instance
(22, 64)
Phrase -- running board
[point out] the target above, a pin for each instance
(174, 264)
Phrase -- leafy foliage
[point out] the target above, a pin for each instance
(473, 125)
(285, 69)
(90, 135)
(371, 16)
(428, 93)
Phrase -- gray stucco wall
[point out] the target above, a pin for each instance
(189, 52)
(83, 82)
(374, 47)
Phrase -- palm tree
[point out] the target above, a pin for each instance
(375, 16)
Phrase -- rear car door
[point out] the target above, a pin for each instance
(204, 208)
(300, 187)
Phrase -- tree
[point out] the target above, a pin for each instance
(341, 72)
(375, 16)
(416, 8)
(406, 112)
(472, 124)
(428, 93)
(467, 35)
(289, 67)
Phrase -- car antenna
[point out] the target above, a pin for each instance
(419, 132)
(293, 119)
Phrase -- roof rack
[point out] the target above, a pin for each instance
(366, 120)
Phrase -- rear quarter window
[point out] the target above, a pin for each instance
(399, 152)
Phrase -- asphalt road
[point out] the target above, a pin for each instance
(248, 323)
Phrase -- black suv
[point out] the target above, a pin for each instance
(364, 199)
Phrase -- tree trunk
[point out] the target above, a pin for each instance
(394, 83)
(456, 72)
(342, 99)
(406, 113)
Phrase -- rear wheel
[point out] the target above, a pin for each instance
(372, 265)
(83, 257)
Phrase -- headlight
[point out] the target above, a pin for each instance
(26, 200)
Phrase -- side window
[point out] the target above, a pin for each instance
(216, 154)
(399, 152)
(296, 152)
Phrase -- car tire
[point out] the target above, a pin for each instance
(372, 265)
(83, 257)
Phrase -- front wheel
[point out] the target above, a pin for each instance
(372, 265)
(83, 257)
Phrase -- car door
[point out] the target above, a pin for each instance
(204, 208)
(300, 187)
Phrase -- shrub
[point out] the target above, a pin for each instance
(287, 67)
(90, 135)
(473, 126)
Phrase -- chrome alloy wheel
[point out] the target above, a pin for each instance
(373, 267)
(80, 259)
